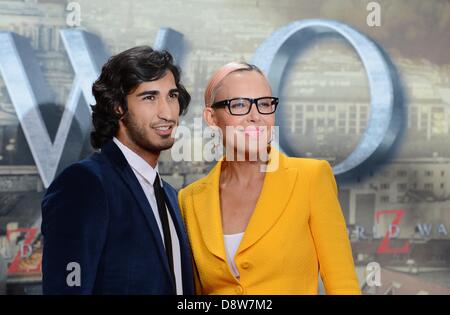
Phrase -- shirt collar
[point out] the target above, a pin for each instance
(137, 163)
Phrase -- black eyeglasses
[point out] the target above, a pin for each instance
(242, 105)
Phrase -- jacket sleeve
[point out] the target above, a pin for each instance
(329, 232)
(181, 203)
(74, 229)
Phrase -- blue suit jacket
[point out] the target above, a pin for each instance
(96, 214)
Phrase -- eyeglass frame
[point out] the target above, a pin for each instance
(226, 103)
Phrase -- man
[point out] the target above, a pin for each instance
(110, 224)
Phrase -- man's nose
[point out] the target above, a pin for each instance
(165, 110)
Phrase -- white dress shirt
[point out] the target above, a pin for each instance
(146, 176)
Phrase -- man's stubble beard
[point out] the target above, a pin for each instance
(138, 137)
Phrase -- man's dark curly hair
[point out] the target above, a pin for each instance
(120, 76)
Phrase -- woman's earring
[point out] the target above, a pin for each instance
(213, 136)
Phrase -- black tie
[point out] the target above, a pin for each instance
(160, 200)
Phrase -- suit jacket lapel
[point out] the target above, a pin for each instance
(113, 153)
(186, 256)
(172, 205)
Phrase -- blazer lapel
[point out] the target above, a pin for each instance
(186, 256)
(172, 205)
(275, 194)
(207, 211)
(114, 155)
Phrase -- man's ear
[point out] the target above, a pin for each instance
(208, 116)
(119, 111)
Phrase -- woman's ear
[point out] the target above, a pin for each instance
(208, 116)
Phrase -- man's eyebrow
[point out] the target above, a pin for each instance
(174, 90)
(149, 92)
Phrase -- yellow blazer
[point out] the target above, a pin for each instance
(296, 229)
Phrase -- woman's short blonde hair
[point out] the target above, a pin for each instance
(220, 74)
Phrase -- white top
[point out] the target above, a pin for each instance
(232, 242)
(146, 176)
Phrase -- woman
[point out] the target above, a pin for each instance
(261, 232)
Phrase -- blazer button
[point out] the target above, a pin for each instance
(245, 265)
(239, 290)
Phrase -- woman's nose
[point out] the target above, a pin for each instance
(253, 115)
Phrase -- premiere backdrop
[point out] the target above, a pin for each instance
(363, 84)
